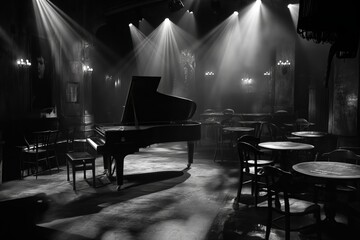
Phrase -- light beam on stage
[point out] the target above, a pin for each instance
(62, 32)
(294, 11)
(162, 53)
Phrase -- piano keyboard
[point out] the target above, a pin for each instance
(95, 142)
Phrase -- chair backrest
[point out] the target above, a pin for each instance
(276, 133)
(228, 122)
(257, 129)
(42, 140)
(53, 136)
(70, 139)
(228, 111)
(301, 124)
(278, 182)
(246, 152)
(209, 110)
(249, 139)
(39, 140)
(340, 155)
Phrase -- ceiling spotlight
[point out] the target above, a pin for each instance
(175, 5)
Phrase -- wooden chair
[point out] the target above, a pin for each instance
(349, 188)
(78, 160)
(40, 150)
(282, 199)
(301, 124)
(250, 165)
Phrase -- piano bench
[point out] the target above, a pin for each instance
(80, 161)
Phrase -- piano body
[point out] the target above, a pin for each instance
(149, 117)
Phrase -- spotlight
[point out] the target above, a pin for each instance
(175, 5)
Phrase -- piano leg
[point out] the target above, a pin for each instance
(106, 162)
(108, 166)
(190, 146)
(119, 167)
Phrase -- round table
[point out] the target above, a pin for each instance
(238, 129)
(332, 173)
(285, 146)
(315, 138)
(309, 134)
(235, 133)
(329, 170)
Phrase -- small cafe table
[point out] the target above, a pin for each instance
(332, 173)
(311, 137)
(236, 132)
(284, 147)
(309, 134)
(238, 129)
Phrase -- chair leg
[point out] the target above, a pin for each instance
(269, 221)
(256, 190)
(318, 225)
(73, 173)
(57, 163)
(36, 169)
(84, 167)
(67, 170)
(287, 227)
(241, 178)
(93, 172)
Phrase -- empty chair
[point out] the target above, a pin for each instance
(255, 141)
(250, 165)
(282, 199)
(301, 124)
(40, 151)
(340, 155)
(249, 139)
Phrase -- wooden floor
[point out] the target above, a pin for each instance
(161, 200)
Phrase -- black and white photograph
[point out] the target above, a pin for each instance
(179, 120)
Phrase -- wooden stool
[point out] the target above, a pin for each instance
(80, 161)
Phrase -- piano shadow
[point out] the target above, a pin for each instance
(136, 185)
(131, 180)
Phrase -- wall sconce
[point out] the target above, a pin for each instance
(209, 74)
(87, 68)
(117, 83)
(21, 63)
(247, 83)
(284, 66)
(108, 78)
(267, 73)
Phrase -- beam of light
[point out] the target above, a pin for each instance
(231, 49)
(8, 44)
(160, 53)
(188, 23)
(62, 33)
(294, 11)
(145, 27)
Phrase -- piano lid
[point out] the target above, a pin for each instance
(145, 105)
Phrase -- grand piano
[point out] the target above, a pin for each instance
(149, 117)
